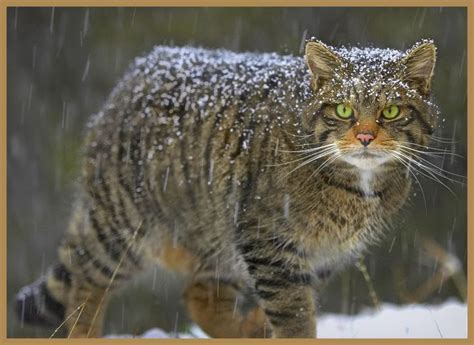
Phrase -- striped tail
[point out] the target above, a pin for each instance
(43, 302)
(89, 266)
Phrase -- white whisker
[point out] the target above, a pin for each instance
(435, 166)
(310, 150)
(302, 158)
(424, 170)
(326, 162)
(408, 166)
(425, 147)
(433, 153)
(443, 140)
(312, 159)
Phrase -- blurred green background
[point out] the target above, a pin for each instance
(63, 62)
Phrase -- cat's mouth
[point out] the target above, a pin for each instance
(366, 159)
(366, 154)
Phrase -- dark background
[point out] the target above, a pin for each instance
(62, 63)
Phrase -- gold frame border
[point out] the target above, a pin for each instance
(213, 3)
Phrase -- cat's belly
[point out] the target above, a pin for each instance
(328, 259)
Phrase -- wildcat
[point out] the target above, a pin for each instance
(255, 175)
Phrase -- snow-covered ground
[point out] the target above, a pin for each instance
(447, 320)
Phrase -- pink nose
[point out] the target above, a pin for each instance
(365, 138)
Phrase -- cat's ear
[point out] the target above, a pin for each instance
(322, 62)
(419, 64)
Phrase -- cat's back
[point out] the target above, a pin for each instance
(175, 83)
(180, 116)
(198, 78)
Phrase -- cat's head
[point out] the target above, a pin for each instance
(371, 106)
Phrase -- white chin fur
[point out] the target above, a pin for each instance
(365, 163)
(367, 167)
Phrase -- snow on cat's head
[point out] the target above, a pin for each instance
(371, 105)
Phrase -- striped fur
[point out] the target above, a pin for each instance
(196, 161)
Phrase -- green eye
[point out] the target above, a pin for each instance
(343, 111)
(391, 112)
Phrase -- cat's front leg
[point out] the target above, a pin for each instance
(293, 314)
(283, 284)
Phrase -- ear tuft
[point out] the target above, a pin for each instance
(322, 62)
(419, 64)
